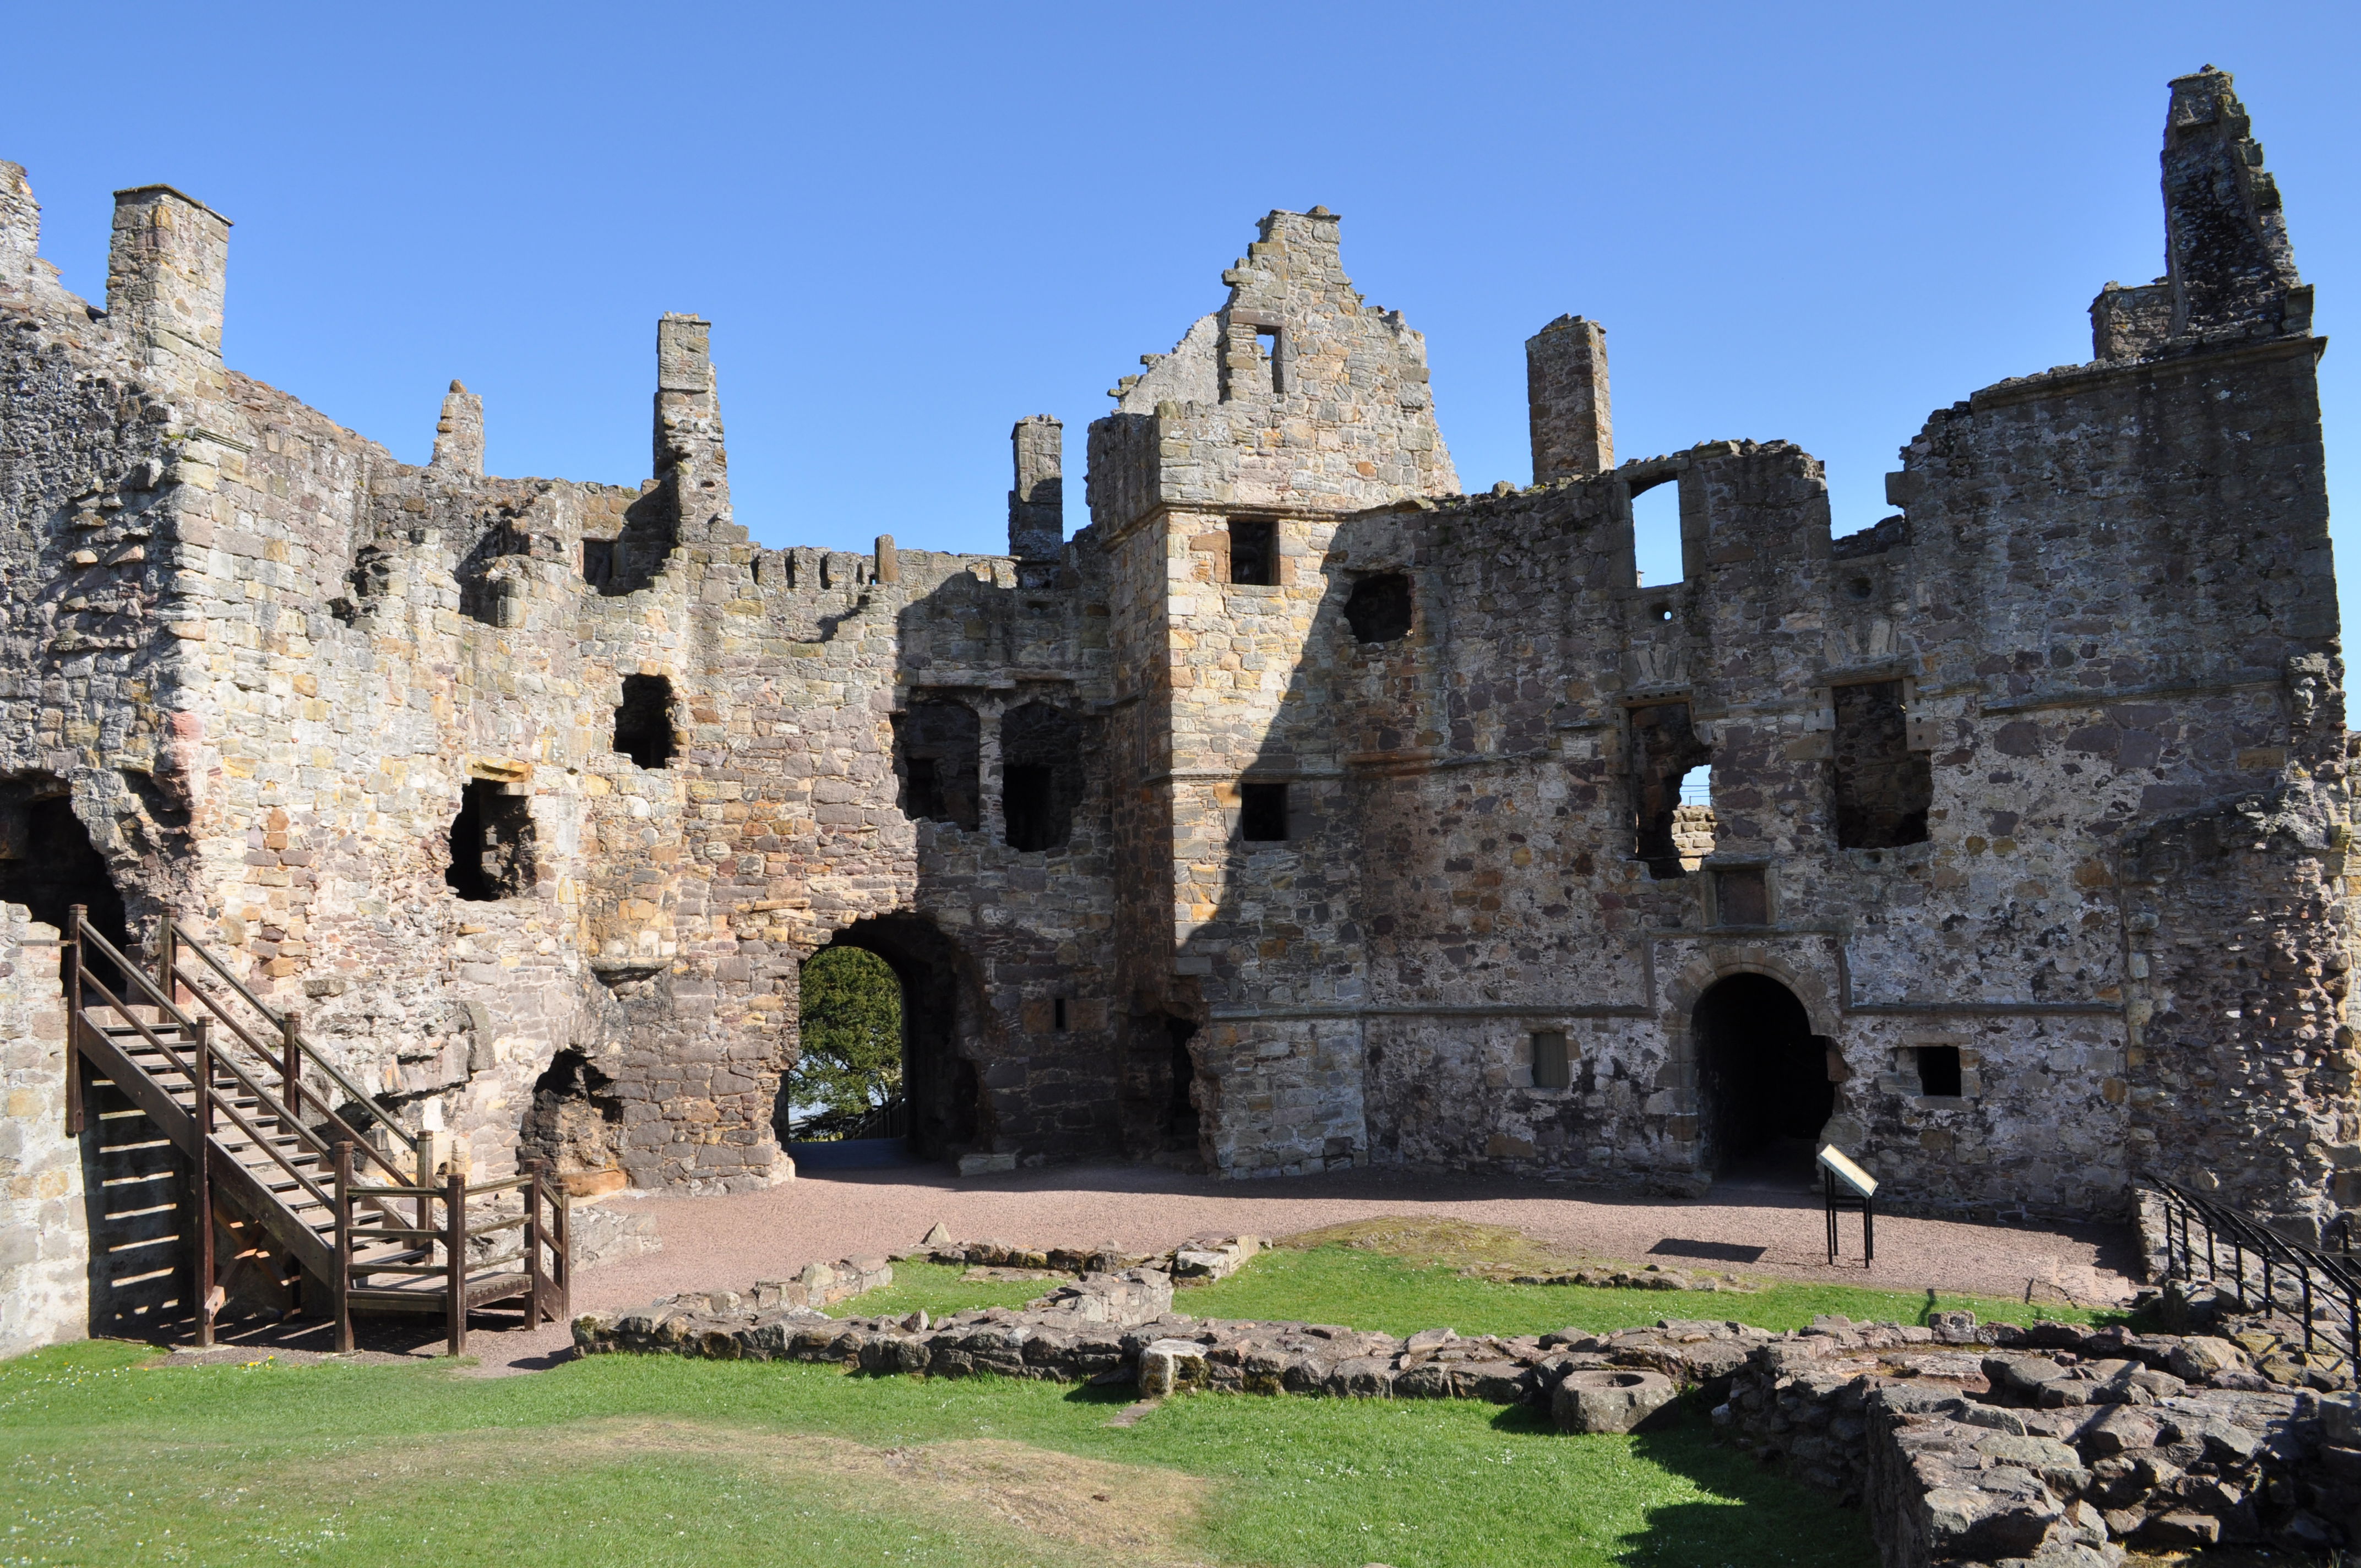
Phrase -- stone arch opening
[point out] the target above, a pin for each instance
(48, 864)
(940, 1087)
(1764, 1091)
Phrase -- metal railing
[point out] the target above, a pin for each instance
(2204, 1239)
(891, 1120)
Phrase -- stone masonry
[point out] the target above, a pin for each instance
(1300, 812)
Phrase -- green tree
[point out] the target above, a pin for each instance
(851, 1058)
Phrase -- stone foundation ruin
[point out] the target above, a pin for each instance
(1301, 812)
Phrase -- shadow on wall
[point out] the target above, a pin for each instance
(1007, 1005)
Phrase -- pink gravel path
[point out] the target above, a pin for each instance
(726, 1243)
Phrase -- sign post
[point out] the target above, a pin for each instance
(1849, 1187)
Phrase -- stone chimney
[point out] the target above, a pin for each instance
(166, 271)
(459, 435)
(1565, 394)
(689, 456)
(1037, 506)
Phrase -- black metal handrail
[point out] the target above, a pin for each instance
(2291, 1267)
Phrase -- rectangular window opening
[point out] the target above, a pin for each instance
(1057, 1014)
(1938, 1071)
(598, 562)
(1262, 813)
(1551, 1068)
(1253, 552)
(1657, 535)
(1883, 788)
(1269, 344)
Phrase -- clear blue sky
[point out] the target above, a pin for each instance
(913, 224)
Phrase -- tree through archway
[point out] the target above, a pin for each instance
(940, 1089)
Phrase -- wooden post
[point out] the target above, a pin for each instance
(560, 1253)
(75, 1116)
(343, 1284)
(205, 1070)
(164, 957)
(291, 1068)
(455, 1265)
(533, 1316)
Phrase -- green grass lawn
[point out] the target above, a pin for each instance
(1373, 1290)
(643, 1460)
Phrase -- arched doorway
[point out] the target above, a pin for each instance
(1764, 1091)
(939, 1112)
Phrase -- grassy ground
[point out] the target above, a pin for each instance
(106, 1459)
(1400, 1274)
(1374, 1290)
(658, 1461)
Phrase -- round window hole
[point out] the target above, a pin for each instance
(1663, 613)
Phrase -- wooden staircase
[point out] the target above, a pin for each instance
(354, 1222)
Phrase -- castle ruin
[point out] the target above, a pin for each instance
(1301, 812)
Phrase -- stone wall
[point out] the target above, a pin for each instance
(531, 795)
(44, 1242)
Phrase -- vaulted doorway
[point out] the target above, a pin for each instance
(1764, 1091)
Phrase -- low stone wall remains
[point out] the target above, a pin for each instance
(2052, 1446)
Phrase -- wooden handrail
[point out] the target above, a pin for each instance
(281, 1022)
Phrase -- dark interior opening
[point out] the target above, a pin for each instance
(1181, 1115)
(1883, 788)
(1764, 1091)
(943, 1094)
(1379, 609)
(575, 1119)
(598, 562)
(937, 750)
(1262, 813)
(1552, 1068)
(1664, 747)
(644, 721)
(491, 844)
(49, 865)
(1253, 552)
(1938, 1071)
(1057, 1014)
(1041, 776)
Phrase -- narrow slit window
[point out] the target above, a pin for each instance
(1270, 344)
(1253, 552)
(1057, 1014)
(1262, 813)
(1551, 1069)
(1938, 1071)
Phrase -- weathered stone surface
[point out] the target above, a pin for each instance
(1610, 1398)
(1302, 811)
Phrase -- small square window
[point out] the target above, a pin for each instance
(1262, 813)
(1938, 1071)
(1551, 1068)
(1742, 897)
